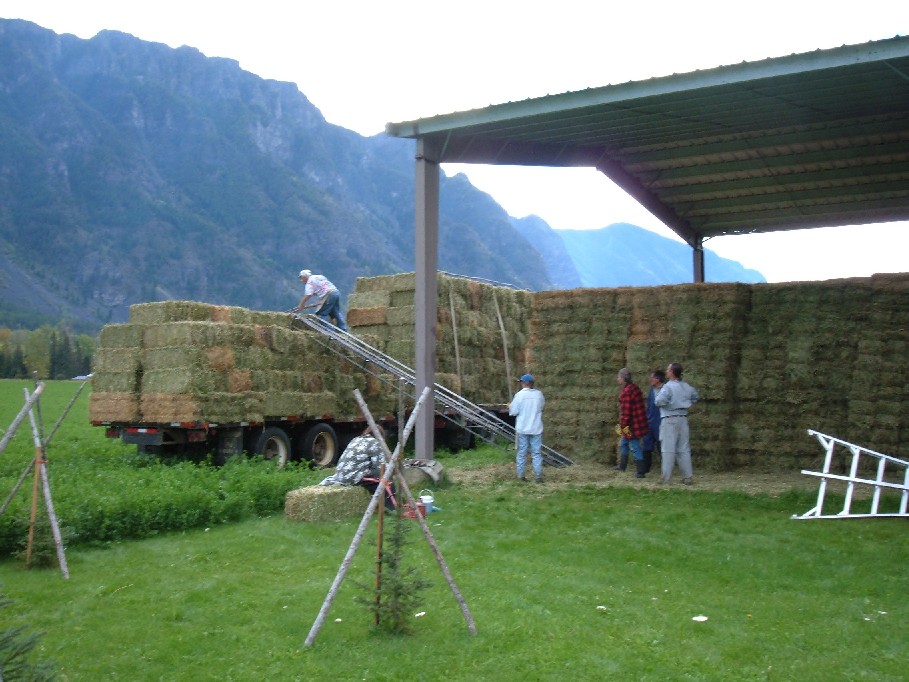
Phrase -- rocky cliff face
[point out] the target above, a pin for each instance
(133, 172)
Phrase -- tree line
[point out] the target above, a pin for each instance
(48, 352)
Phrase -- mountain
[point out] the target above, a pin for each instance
(134, 172)
(560, 266)
(131, 171)
(627, 255)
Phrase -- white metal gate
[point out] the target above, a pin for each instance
(897, 481)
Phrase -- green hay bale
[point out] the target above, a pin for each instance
(326, 503)
(368, 299)
(121, 336)
(117, 360)
(170, 311)
(184, 380)
(113, 407)
(401, 316)
(300, 404)
(189, 358)
(117, 382)
(300, 343)
(200, 334)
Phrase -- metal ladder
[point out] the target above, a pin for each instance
(897, 485)
(472, 417)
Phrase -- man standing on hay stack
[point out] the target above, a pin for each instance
(632, 422)
(329, 299)
(527, 407)
(674, 399)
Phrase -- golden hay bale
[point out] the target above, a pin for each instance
(239, 381)
(113, 407)
(221, 358)
(167, 407)
(361, 317)
(326, 503)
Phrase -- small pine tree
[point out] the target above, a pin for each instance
(399, 589)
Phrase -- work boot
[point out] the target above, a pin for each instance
(623, 462)
(639, 468)
(648, 461)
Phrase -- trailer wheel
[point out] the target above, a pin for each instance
(273, 444)
(319, 445)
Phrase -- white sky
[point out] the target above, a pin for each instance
(364, 63)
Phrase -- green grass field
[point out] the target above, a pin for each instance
(577, 582)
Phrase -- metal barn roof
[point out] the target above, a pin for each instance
(809, 140)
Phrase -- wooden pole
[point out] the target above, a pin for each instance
(64, 413)
(504, 344)
(454, 336)
(380, 536)
(41, 473)
(34, 512)
(358, 536)
(10, 432)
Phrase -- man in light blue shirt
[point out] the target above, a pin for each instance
(674, 399)
(527, 408)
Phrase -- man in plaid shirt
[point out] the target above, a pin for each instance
(632, 422)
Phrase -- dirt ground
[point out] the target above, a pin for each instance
(600, 475)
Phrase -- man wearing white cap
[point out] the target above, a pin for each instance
(527, 407)
(327, 296)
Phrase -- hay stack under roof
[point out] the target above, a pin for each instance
(769, 360)
(482, 330)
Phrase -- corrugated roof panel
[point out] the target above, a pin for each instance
(805, 140)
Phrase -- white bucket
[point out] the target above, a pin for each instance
(427, 498)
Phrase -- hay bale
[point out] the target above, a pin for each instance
(121, 336)
(364, 317)
(326, 503)
(198, 334)
(113, 407)
(117, 360)
(117, 382)
(368, 299)
(170, 311)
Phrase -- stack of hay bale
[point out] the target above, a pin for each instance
(481, 337)
(770, 362)
(183, 361)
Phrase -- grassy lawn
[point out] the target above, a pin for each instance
(565, 581)
(572, 584)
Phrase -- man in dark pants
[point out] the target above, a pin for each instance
(652, 439)
(632, 422)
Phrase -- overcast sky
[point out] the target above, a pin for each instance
(365, 63)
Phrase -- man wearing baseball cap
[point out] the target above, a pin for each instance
(328, 298)
(527, 408)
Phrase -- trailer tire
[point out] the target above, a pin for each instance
(319, 445)
(273, 444)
